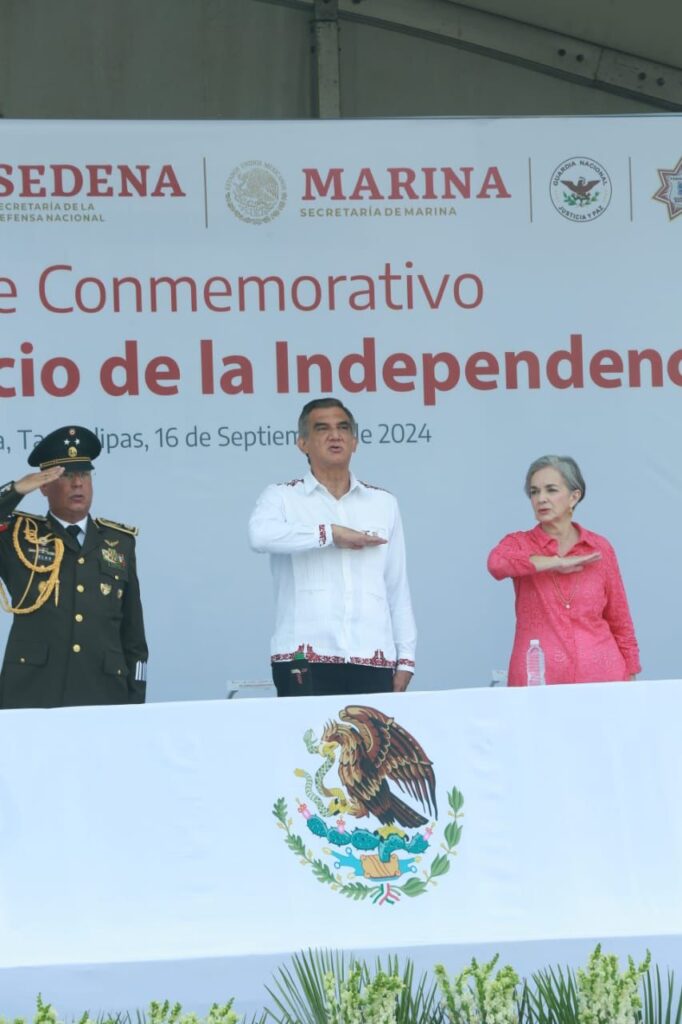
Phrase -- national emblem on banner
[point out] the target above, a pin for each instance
(580, 189)
(670, 191)
(255, 192)
(392, 853)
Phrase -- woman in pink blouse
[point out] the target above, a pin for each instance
(569, 591)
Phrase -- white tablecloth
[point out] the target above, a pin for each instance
(140, 858)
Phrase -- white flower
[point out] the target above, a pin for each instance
(476, 997)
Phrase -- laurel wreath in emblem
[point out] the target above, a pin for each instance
(255, 192)
(572, 200)
(381, 892)
(388, 861)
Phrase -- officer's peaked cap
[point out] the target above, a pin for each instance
(71, 447)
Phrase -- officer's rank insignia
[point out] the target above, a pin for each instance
(105, 588)
(111, 543)
(119, 593)
(115, 558)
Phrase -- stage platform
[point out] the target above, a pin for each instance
(186, 850)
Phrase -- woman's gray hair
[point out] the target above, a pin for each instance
(564, 464)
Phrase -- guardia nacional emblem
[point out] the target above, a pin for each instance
(580, 189)
(357, 833)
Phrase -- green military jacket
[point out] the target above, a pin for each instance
(77, 635)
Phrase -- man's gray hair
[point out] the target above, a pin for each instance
(323, 403)
(564, 464)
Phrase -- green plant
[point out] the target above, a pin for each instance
(322, 988)
(553, 999)
(46, 1014)
(359, 999)
(597, 994)
(660, 1004)
(605, 994)
(474, 996)
(157, 1013)
(171, 1013)
(299, 996)
(418, 1003)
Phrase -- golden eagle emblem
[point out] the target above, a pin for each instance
(373, 749)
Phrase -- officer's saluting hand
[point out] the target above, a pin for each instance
(78, 631)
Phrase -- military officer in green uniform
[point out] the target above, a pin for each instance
(77, 635)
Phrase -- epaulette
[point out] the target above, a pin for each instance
(13, 517)
(29, 515)
(132, 530)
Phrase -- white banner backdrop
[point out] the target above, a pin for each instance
(176, 850)
(478, 292)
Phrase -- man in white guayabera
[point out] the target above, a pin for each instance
(344, 622)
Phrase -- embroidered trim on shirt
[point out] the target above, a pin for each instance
(406, 661)
(378, 660)
(323, 535)
(374, 487)
(310, 655)
(291, 483)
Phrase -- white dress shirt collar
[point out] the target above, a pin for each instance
(311, 483)
(82, 523)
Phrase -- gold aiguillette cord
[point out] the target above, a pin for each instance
(50, 585)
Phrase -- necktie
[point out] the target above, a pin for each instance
(75, 533)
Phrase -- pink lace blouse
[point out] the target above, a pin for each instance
(582, 619)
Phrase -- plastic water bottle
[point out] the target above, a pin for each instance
(535, 664)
